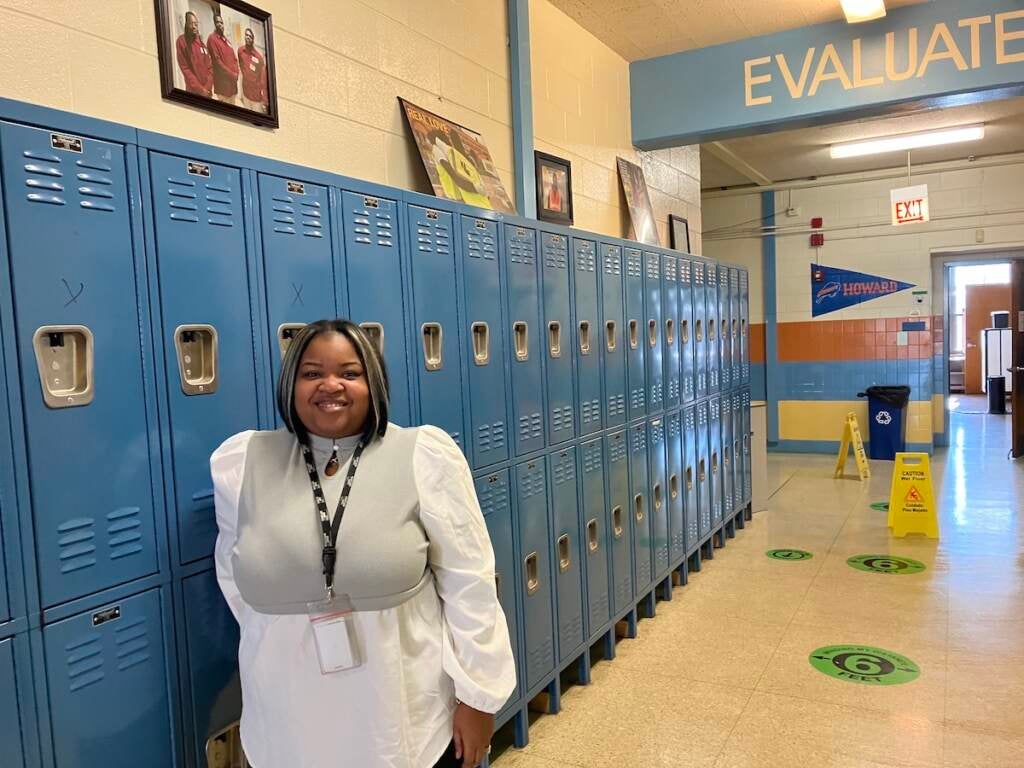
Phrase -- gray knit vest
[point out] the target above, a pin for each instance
(382, 547)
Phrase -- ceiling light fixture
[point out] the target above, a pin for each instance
(863, 10)
(908, 141)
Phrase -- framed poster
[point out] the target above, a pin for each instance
(218, 55)
(679, 233)
(554, 188)
(457, 160)
(641, 213)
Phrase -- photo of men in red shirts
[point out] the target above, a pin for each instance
(193, 59)
(254, 75)
(225, 65)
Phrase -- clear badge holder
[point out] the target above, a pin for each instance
(334, 632)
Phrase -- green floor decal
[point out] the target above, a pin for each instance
(788, 554)
(864, 664)
(886, 564)
(880, 506)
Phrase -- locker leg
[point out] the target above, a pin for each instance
(730, 528)
(583, 667)
(684, 573)
(695, 561)
(609, 644)
(748, 512)
(709, 549)
(631, 624)
(521, 728)
(649, 605)
(666, 588)
(741, 521)
(719, 538)
(554, 691)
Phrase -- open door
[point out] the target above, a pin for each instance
(1017, 370)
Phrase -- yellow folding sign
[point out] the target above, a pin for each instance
(851, 436)
(911, 497)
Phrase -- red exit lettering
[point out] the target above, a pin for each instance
(909, 210)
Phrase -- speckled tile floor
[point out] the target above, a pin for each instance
(721, 677)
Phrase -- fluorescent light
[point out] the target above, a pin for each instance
(863, 10)
(908, 141)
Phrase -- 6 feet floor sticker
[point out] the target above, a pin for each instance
(792, 555)
(889, 564)
(864, 664)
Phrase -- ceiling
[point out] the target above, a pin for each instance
(641, 29)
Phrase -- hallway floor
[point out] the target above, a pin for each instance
(721, 677)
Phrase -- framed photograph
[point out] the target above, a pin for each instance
(554, 188)
(457, 160)
(218, 55)
(679, 233)
(638, 199)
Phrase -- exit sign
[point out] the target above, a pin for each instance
(909, 205)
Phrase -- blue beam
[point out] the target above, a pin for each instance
(522, 106)
(769, 290)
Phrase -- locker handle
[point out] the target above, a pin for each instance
(652, 332)
(701, 471)
(670, 332)
(711, 329)
(617, 529)
(433, 340)
(196, 346)
(532, 574)
(638, 507)
(743, 327)
(609, 332)
(689, 478)
(634, 334)
(520, 335)
(584, 337)
(285, 333)
(726, 454)
(64, 359)
(684, 332)
(714, 463)
(555, 338)
(593, 544)
(657, 496)
(375, 332)
(699, 332)
(734, 329)
(564, 556)
(481, 333)
(497, 585)
(673, 487)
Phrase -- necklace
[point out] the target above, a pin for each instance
(331, 469)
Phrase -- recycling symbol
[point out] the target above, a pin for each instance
(883, 417)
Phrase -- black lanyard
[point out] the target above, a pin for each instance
(328, 527)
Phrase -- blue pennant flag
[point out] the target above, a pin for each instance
(833, 288)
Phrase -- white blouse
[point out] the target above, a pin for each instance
(450, 640)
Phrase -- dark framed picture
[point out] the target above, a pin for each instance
(218, 55)
(554, 188)
(679, 233)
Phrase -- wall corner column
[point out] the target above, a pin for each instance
(772, 372)
(522, 106)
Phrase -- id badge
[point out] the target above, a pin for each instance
(334, 632)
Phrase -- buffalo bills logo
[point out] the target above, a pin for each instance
(827, 291)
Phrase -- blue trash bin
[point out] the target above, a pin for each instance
(887, 423)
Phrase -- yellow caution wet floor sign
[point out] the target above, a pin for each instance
(851, 436)
(911, 497)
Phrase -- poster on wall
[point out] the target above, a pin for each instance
(457, 160)
(833, 288)
(218, 55)
(641, 213)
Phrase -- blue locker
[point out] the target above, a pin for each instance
(700, 336)
(715, 459)
(653, 333)
(559, 338)
(484, 343)
(496, 504)
(112, 654)
(643, 545)
(210, 662)
(691, 479)
(747, 467)
(295, 225)
(687, 339)
(659, 498)
(676, 486)
(670, 305)
(534, 534)
(72, 265)
(712, 345)
(729, 502)
(734, 327)
(567, 551)
(636, 334)
(438, 363)
(613, 350)
(738, 459)
(588, 337)
(616, 447)
(745, 325)
(525, 348)
(373, 275)
(10, 707)
(207, 331)
(703, 459)
(724, 330)
(597, 529)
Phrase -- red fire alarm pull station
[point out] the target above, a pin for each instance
(817, 222)
(817, 240)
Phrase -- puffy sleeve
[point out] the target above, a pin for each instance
(226, 466)
(477, 649)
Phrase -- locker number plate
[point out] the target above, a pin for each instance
(296, 188)
(110, 614)
(67, 143)
(198, 169)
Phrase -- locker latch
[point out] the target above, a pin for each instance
(634, 334)
(714, 463)
(375, 333)
(481, 333)
(617, 529)
(684, 332)
(610, 335)
(433, 339)
(285, 333)
(652, 332)
(64, 359)
(673, 487)
(689, 478)
(564, 555)
(670, 332)
(699, 332)
(196, 346)
(638, 507)
(521, 339)
(711, 329)
(497, 585)
(555, 338)
(532, 574)
(657, 496)
(592, 539)
(584, 337)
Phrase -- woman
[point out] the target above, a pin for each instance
(371, 633)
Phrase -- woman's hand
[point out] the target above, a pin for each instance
(472, 736)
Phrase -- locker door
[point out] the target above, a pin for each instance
(745, 325)
(438, 363)
(72, 266)
(687, 339)
(567, 551)
(204, 296)
(734, 327)
(588, 337)
(597, 534)
(496, 504)
(676, 487)
(670, 330)
(373, 274)
(636, 334)
(559, 339)
(484, 342)
(115, 654)
(640, 508)
(211, 648)
(10, 715)
(747, 456)
(654, 333)
(727, 459)
(715, 459)
(614, 335)
(538, 616)
(5, 603)
(738, 459)
(691, 479)
(703, 458)
(296, 227)
(712, 346)
(700, 336)
(525, 346)
(724, 331)
(616, 446)
(659, 496)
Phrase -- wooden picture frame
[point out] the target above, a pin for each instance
(554, 188)
(679, 233)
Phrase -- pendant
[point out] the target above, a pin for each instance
(332, 464)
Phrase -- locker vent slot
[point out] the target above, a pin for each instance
(556, 252)
(312, 224)
(673, 487)
(617, 527)
(42, 189)
(561, 420)
(373, 226)
(532, 484)
(653, 267)
(197, 358)
(590, 411)
(285, 333)
(634, 265)
(565, 470)
(670, 270)
(652, 332)
(481, 333)
(433, 341)
(610, 335)
(634, 334)
(616, 405)
(132, 641)
(638, 507)
(532, 573)
(64, 360)
(521, 338)
(521, 249)
(638, 398)
(585, 261)
(555, 338)
(490, 437)
(84, 659)
(612, 262)
(591, 458)
(564, 553)
(531, 426)
(584, 337)
(123, 530)
(617, 449)
(375, 332)
(670, 332)
(75, 539)
(684, 271)
(493, 496)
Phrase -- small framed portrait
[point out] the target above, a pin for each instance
(218, 55)
(554, 188)
(679, 233)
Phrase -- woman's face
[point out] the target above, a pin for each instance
(332, 395)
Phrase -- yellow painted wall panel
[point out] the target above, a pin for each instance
(819, 419)
(938, 413)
